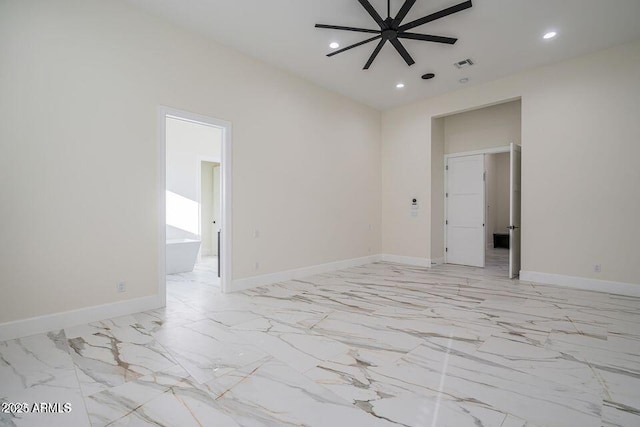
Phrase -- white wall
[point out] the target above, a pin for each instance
(404, 177)
(81, 82)
(437, 192)
(187, 144)
(493, 126)
(580, 196)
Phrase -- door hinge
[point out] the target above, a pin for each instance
(446, 194)
(484, 176)
(446, 249)
(446, 167)
(447, 222)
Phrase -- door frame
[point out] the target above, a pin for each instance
(494, 150)
(163, 113)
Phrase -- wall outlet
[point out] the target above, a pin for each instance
(257, 265)
(256, 234)
(597, 268)
(370, 227)
(122, 287)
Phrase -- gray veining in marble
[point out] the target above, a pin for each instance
(377, 345)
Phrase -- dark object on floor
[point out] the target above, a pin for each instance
(501, 240)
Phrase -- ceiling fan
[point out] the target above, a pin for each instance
(392, 31)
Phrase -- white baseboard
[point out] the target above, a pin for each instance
(399, 259)
(621, 288)
(282, 276)
(50, 322)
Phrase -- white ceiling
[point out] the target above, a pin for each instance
(501, 36)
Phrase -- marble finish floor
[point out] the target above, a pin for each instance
(205, 272)
(497, 261)
(377, 345)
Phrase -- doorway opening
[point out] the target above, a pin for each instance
(482, 209)
(194, 200)
(497, 208)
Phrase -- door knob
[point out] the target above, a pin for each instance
(512, 227)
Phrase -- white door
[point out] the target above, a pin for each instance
(514, 210)
(465, 210)
(216, 209)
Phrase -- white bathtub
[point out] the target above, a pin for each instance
(181, 255)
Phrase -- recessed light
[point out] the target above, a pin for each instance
(428, 76)
(464, 80)
(549, 35)
(400, 85)
(334, 45)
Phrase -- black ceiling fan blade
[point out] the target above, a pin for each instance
(402, 13)
(402, 51)
(339, 27)
(427, 38)
(354, 45)
(444, 12)
(374, 14)
(375, 53)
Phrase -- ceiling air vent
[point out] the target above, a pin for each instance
(464, 63)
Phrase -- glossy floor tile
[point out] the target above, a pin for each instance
(377, 345)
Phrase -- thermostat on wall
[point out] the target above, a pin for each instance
(414, 207)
